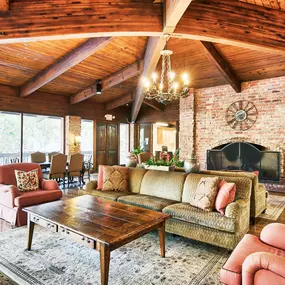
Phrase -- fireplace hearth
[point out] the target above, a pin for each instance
(242, 156)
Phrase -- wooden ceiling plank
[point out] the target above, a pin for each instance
(234, 23)
(154, 104)
(63, 64)
(222, 65)
(108, 82)
(4, 5)
(173, 11)
(121, 101)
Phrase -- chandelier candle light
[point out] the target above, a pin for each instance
(165, 92)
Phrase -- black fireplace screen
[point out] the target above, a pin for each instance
(246, 157)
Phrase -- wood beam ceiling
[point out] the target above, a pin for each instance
(108, 82)
(4, 5)
(121, 101)
(173, 11)
(63, 64)
(154, 104)
(234, 23)
(222, 65)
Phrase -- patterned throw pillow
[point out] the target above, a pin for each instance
(27, 181)
(115, 178)
(206, 193)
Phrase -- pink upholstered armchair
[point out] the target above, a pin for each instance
(258, 261)
(12, 200)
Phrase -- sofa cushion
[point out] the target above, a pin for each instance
(37, 197)
(135, 179)
(115, 178)
(206, 193)
(145, 201)
(232, 269)
(163, 184)
(110, 195)
(27, 181)
(100, 177)
(226, 195)
(191, 214)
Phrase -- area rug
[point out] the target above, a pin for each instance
(56, 260)
(275, 207)
(276, 186)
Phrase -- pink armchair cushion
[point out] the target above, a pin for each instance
(37, 197)
(274, 234)
(231, 271)
(226, 195)
(48, 184)
(7, 174)
(100, 177)
(262, 260)
(266, 277)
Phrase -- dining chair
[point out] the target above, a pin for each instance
(143, 157)
(38, 157)
(58, 167)
(51, 154)
(75, 168)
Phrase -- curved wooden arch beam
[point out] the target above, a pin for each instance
(63, 64)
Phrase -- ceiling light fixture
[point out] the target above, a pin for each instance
(167, 89)
(99, 87)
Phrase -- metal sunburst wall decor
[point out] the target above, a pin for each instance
(241, 115)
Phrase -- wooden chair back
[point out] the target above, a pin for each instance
(50, 155)
(76, 162)
(58, 164)
(143, 157)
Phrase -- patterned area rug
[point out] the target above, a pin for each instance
(275, 207)
(276, 186)
(56, 260)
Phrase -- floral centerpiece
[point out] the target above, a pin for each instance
(164, 162)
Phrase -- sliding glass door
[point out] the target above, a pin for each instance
(10, 137)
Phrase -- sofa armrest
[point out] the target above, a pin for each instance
(273, 234)
(234, 209)
(262, 260)
(48, 184)
(8, 193)
(91, 185)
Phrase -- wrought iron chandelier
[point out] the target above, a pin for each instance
(167, 89)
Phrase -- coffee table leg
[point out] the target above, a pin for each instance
(31, 226)
(161, 232)
(104, 263)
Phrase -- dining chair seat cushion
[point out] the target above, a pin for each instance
(37, 197)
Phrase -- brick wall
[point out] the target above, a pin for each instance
(208, 106)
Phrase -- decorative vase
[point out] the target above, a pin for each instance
(131, 160)
(192, 165)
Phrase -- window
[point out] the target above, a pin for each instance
(41, 133)
(87, 134)
(124, 142)
(10, 137)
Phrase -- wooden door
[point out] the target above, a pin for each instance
(106, 144)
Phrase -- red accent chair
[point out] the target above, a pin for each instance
(258, 261)
(12, 201)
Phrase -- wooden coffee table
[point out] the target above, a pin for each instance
(97, 223)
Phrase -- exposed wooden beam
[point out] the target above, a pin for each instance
(121, 101)
(154, 104)
(58, 19)
(4, 5)
(222, 65)
(234, 23)
(173, 11)
(108, 82)
(63, 64)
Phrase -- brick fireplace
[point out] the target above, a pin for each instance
(203, 123)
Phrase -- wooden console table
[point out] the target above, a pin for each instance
(97, 223)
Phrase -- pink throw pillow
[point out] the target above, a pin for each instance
(226, 195)
(100, 177)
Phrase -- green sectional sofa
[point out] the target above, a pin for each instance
(170, 192)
